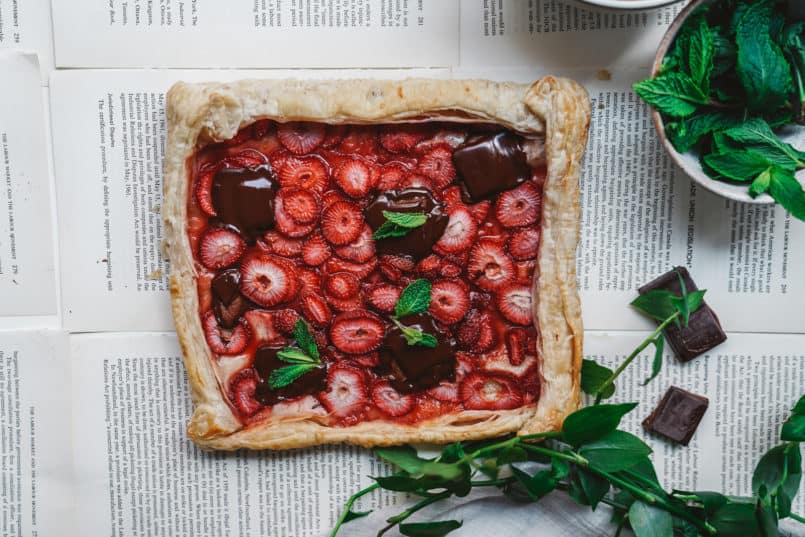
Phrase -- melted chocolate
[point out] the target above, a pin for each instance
(226, 285)
(244, 199)
(419, 242)
(266, 361)
(491, 163)
(415, 367)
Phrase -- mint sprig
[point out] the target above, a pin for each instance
(399, 224)
(304, 358)
(415, 336)
(414, 299)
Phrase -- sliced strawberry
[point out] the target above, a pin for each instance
(449, 302)
(309, 280)
(514, 303)
(361, 249)
(301, 137)
(460, 231)
(331, 196)
(451, 197)
(445, 391)
(302, 205)
(429, 266)
(518, 207)
(465, 364)
(248, 158)
(345, 304)
(341, 285)
(227, 342)
(384, 297)
(516, 343)
(489, 266)
(390, 176)
(266, 279)
(261, 128)
(357, 332)
(403, 263)
(489, 392)
(371, 359)
(282, 245)
(390, 401)
(427, 408)
(390, 272)
(360, 270)
(499, 361)
(263, 327)
(315, 250)
(346, 391)
(315, 310)
(221, 248)
(401, 138)
(359, 141)
(285, 320)
(525, 271)
(355, 178)
(450, 270)
(204, 188)
(309, 173)
(283, 220)
(416, 180)
(524, 243)
(480, 210)
(241, 392)
(437, 164)
(341, 223)
(476, 333)
(335, 133)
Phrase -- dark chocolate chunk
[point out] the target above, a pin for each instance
(244, 199)
(226, 285)
(677, 415)
(415, 367)
(491, 163)
(418, 242)
(703, 331)
(266, 361)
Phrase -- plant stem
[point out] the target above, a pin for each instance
(350, 503)
(568, 456)
(798, 518)
(631, 357)
(396, 519)
(493, 482)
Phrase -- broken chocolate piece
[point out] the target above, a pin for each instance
(677, 416)
(703, 331)
(244, 199)
(491, 163)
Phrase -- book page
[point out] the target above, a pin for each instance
(109, 141)
(251, 34)
(25, 25)
(35, 434)
(554, 34)
(642, 215)
(142, 477)
(27, 257)
(752, 381)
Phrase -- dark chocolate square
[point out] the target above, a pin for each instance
(677, 416)
(704, 329)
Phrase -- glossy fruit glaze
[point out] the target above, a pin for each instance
(315, 257)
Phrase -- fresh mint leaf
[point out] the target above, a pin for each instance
(786, 190)
(757, 134)
(649, 521)
(761, 183)
(415, 336)
(656, 303)
(593, 422)
(656, 365)
(761, 66)
(390, 229)
(593, 376)
(737, 165)
(304, 338)
(725, 54)
(701, 51)
(429, 529)
(296, 356)
(414, 299)
(286, 375)
(675, 94)
(615, 451)
(686, 133)
(406, 220)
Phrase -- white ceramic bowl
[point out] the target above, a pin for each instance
(689, 161)
(624, 5)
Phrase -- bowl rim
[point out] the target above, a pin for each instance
(629, 5)
(697, 175)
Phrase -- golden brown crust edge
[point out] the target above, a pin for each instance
(216, 111)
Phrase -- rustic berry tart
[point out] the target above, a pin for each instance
(375, 262)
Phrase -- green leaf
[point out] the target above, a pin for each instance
(405, 457)
(686, 133)
(757, 133)
(286, 375)
(295, 356)
(648, 521)
(711, 501)
(761, 66)
(799, 408)
(689, 304)
(766, 519)
(414, 299)
(742, 165)
(429, 529)
(406, 220)
(593, 487)
(656, 303)
(701, 51)
(389, 229)
(593, 422)
(794, 429)
(675, 94)
(787, 191)
(304, 338)
(352, 515)
(415, 336)
(593, 376)
(404, 483)
(615, 451)
(537, 485)
(761, 183)
(656, 365)
(736, 519)
(559, 468)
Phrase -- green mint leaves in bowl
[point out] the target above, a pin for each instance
(729, 96)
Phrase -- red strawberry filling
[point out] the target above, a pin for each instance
(290, 221)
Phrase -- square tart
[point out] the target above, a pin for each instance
(274, 190)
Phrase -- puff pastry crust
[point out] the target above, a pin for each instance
(553, 107)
